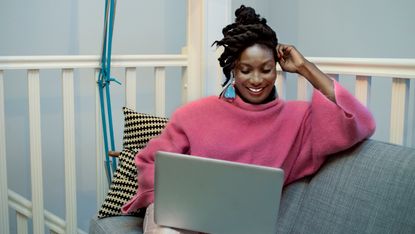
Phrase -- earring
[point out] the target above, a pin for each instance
(230, 93)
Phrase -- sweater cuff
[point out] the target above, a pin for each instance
(138, 201)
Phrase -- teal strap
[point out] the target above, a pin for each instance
(104, 80)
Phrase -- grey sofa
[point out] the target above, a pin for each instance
(369, 188)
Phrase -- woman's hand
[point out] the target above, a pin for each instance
(289, 58)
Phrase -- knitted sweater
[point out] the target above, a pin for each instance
(296, 136)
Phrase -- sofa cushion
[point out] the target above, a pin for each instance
(116, 225)
(369, 188)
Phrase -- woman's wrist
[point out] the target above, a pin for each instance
(317, 78)
(305, 68)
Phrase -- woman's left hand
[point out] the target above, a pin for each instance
(289, 58)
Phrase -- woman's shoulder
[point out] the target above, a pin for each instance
(200, 105)
(205, 100)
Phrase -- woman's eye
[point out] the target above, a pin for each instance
(245, 71)
(266, 71)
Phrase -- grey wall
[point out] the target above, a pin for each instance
(41, 27)
(334, 28)
(369, 28)
(47, 27)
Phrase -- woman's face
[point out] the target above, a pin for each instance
(255, 73)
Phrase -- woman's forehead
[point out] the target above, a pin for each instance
(256, 53)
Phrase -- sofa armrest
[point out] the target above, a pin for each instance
(369, 188)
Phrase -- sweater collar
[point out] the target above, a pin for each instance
(238, 102)
(271, 101)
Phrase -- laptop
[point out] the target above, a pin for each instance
(216, 196)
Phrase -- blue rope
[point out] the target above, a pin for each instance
(104, 80)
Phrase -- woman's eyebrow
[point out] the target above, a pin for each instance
(243, 64)
(270, 62)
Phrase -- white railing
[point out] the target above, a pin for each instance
(67, 64)
(24, 211)
(399, 70)
(4, 208)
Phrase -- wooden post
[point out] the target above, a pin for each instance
(131, 87)
(399, 98)
(35, 137)
(4, 207)
(195, 79)
(102, 182)
(160, 90)
(69, 150)
(362, 89)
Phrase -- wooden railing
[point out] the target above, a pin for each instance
(401, 71)
(67, 64)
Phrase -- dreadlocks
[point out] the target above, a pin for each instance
(249, 29)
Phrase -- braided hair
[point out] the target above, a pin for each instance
(249, 29)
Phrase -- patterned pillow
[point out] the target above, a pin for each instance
(138, 130)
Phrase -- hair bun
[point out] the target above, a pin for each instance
(247, 15)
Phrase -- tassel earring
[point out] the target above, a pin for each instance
(230, 93)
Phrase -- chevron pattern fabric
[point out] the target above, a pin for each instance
(139, 128)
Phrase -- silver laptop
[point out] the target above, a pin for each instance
(216, 196)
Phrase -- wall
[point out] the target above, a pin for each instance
(371, 28)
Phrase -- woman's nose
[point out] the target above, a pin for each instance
(255, 79)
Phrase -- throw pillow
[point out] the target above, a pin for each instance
(139, 128)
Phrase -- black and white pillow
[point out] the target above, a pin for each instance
(139, 128)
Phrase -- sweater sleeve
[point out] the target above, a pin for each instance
(328, 128)
(172, 139)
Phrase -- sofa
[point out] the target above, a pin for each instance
(369, 188)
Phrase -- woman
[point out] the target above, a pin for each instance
(248, 123)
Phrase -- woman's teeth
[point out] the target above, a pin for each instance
(255, 90)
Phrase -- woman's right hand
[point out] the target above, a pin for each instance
(289, 58)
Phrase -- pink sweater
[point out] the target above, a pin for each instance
(296, 136)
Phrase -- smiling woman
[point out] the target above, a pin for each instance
(249, 123)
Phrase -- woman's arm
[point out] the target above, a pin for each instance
(329, 128)
(172, 139)
(291, 60)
